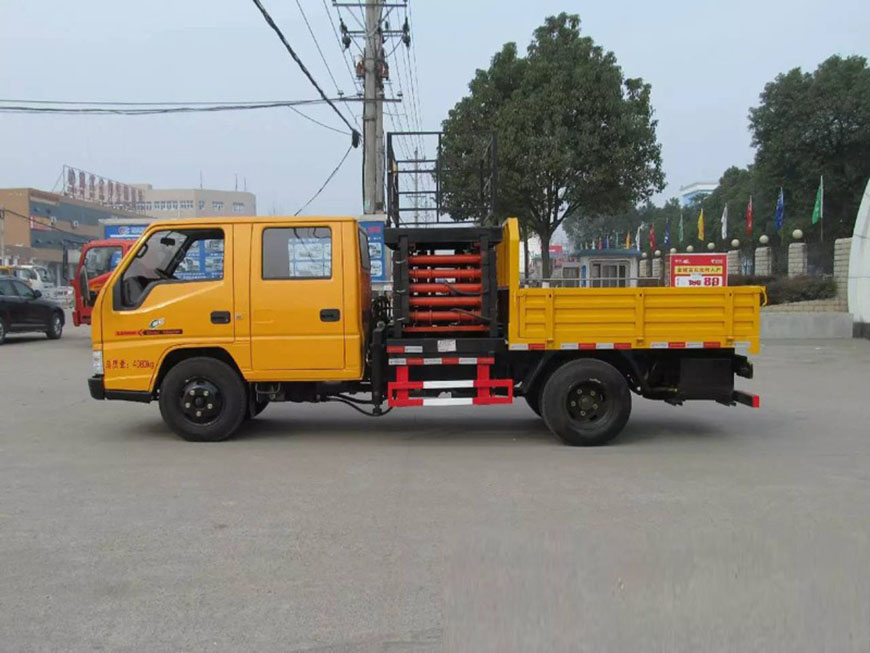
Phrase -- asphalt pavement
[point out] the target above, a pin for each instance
(703, 528)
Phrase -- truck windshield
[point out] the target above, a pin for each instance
(100, 260)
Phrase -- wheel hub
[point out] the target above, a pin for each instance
(201, 401)
(587, 402)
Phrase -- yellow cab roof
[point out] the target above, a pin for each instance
(222, 219)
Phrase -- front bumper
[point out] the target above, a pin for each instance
(96, 387)
(98, 391)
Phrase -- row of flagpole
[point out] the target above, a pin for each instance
(818, 217)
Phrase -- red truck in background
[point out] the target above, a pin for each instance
(98, 259)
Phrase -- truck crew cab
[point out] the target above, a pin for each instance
(281, 309)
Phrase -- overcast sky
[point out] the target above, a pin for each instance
(707, 63)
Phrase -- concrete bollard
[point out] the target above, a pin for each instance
(763, 261)
(733, 262)
(797, 259)
(643, 268)
(842, 250)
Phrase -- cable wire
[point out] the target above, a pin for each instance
(328, 179)
(341, 47)
(107, 111)
(317, 122)
(355, 135)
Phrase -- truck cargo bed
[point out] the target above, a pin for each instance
(635, 318)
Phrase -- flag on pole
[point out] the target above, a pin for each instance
(749, 217)
(725, 222)
(607, 242)
(637, 237)
(818, 209)
(779, 216)
(701, 226)
(667, 232)
(652, 237)
(681, 228)
(628, 239)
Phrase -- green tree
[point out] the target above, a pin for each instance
(808, 125)
(576, 139)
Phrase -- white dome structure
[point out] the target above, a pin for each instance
(859, 263)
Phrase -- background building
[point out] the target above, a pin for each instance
(43, 228)
(157, 202)
(696, 190)
(193, 202)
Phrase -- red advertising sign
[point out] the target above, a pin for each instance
(699, 270)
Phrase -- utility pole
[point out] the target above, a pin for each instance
(373, 70)
(373, 111)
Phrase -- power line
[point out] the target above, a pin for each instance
(341, 47)
(144, 111)
(355, 135)
(317, 45)
(153, 103)
(416, 77)
(328, 179)
(317, 122)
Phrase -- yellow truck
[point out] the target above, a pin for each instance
(216, 318)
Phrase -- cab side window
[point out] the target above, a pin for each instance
(172, 256)
(6, 288)
(297, 253)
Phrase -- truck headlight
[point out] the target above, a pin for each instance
(98, 361)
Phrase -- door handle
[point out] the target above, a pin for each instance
(220, 317)
(330, 315)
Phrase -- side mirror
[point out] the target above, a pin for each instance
(37, 294)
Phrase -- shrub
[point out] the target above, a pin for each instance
(784, 290)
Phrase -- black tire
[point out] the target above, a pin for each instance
(54, 330)
(586, 402)
(533, 399)
(3, 330)
(203, 400)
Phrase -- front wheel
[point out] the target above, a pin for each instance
(3, 331)
(586, 402)
(203, 400)
(54, 330)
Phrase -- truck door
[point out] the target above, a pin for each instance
(297, 293)
(174, 290)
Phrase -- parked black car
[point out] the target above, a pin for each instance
(24, 309)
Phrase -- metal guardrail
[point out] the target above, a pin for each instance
(591, 282)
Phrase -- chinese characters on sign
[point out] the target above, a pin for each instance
(699, 270)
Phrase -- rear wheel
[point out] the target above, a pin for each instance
(586, 402)
(203, 400)
(54, 330)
